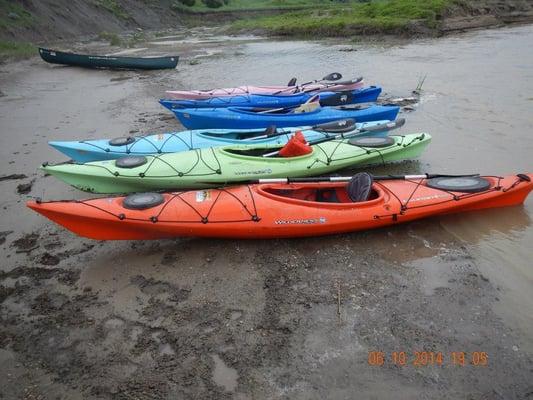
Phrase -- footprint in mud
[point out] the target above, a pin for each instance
(3, 236)
(154, 287)
(49, 259)
(170, 258)
(26, 243)
(25, 188)
(48, 302)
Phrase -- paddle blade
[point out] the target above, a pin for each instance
(292, 82)
(351, 82)
(386, 127)
(341, 126)
(334, 76)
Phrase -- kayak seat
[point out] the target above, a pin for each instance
(327, 196)
(360, 187)
(337, 195)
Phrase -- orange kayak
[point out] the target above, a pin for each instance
(278, 210)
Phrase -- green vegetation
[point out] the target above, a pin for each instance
(16, 50)
(128, 41)
(376, 16)
(113, 38)
(14, 15)
(113, 7)
(200, 6)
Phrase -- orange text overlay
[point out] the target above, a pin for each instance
(428, 358)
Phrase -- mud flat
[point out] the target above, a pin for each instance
(287, 319)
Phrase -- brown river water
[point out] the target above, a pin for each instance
(477, 103)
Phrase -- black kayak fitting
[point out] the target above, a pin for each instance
(372, 141)
(337, 99)
(292, 82)
(142, 201)
(342, 126)
(467, 184)
(131, 161)
(271, 131)
(122, 141)
(359, 187)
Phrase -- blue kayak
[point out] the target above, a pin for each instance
(364, 95)
(256, 118)
(110, 149)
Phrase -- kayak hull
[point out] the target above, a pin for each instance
(363, 95)
(216, 166)
(109, 62)
(264, 211)
(247, 118)
(82, 151)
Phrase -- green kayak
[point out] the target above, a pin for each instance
(202, 168)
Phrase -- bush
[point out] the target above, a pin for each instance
(188, 3)
(113, 38)
(213, 3)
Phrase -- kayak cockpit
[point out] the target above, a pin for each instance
(264, 153)
(240, 134)
(330, 194)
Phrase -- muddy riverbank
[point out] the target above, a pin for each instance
(288, 319)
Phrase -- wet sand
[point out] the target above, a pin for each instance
(192, 318)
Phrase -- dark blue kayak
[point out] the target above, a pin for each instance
(254, 118)
(364, 95)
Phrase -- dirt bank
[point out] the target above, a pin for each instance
(47, 20)
(486, 13)
(51, 20)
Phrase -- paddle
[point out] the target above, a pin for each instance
(328, 85)
(375, 128)
(343, 125)
(334, 76)
(347, 178)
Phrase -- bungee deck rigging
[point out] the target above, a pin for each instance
(214, 166)
(277, 210)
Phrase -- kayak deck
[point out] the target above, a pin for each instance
(276, 210)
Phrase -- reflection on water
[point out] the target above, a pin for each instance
(500, 243)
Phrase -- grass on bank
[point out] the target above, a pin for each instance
(114, 8)
(376, 16)
(250, 5)
(16, 50)
(13, 14)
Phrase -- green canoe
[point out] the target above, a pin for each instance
(232, 164)
(111, 62)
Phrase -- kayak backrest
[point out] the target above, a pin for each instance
(307, 107)
(271, 131)
(359, 187)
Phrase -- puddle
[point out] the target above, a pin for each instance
(223, 375)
